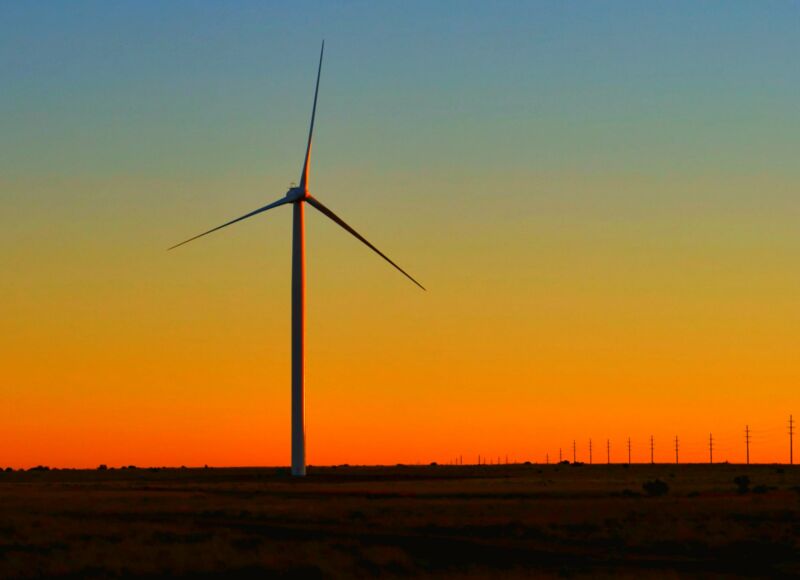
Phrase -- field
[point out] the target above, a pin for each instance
(452, 521)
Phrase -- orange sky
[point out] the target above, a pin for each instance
(537, 329)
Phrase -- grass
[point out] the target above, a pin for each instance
(508, 521)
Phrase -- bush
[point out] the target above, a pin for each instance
(742, 483)
(102, 467)
(655, 488)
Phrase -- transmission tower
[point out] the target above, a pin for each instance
(711, 448)
(676, 449)
(747, 442)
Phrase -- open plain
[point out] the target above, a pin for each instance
(453, 521)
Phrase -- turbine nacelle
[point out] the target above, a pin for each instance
(296, 194)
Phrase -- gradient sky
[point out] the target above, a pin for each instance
(602, 199)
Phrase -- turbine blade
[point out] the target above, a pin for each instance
(251, 214)
(324, 210)
(304, 176)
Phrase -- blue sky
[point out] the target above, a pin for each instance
(586, 85)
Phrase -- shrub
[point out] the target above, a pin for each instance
(742, 483)
(102, 467)
(655, 488)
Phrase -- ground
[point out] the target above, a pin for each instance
(451, 521)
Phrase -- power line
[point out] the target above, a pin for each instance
(720, 449)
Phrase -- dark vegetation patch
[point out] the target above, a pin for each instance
(742, 483)
(655, 488)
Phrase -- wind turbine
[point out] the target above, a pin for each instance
(298, 197)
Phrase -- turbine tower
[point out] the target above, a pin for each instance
(298, 197)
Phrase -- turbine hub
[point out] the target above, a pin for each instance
(297, 194)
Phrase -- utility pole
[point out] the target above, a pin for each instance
(652, 446)
(676, 449)
(629, 450)
(574, 452)
(747, 441)
(590, 451)
(547, 458)
(608, 450)
(791, 442)
(559, 455)
(710, 448)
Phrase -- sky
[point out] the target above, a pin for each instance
(601, 199)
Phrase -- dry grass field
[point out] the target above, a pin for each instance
(505, 521)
